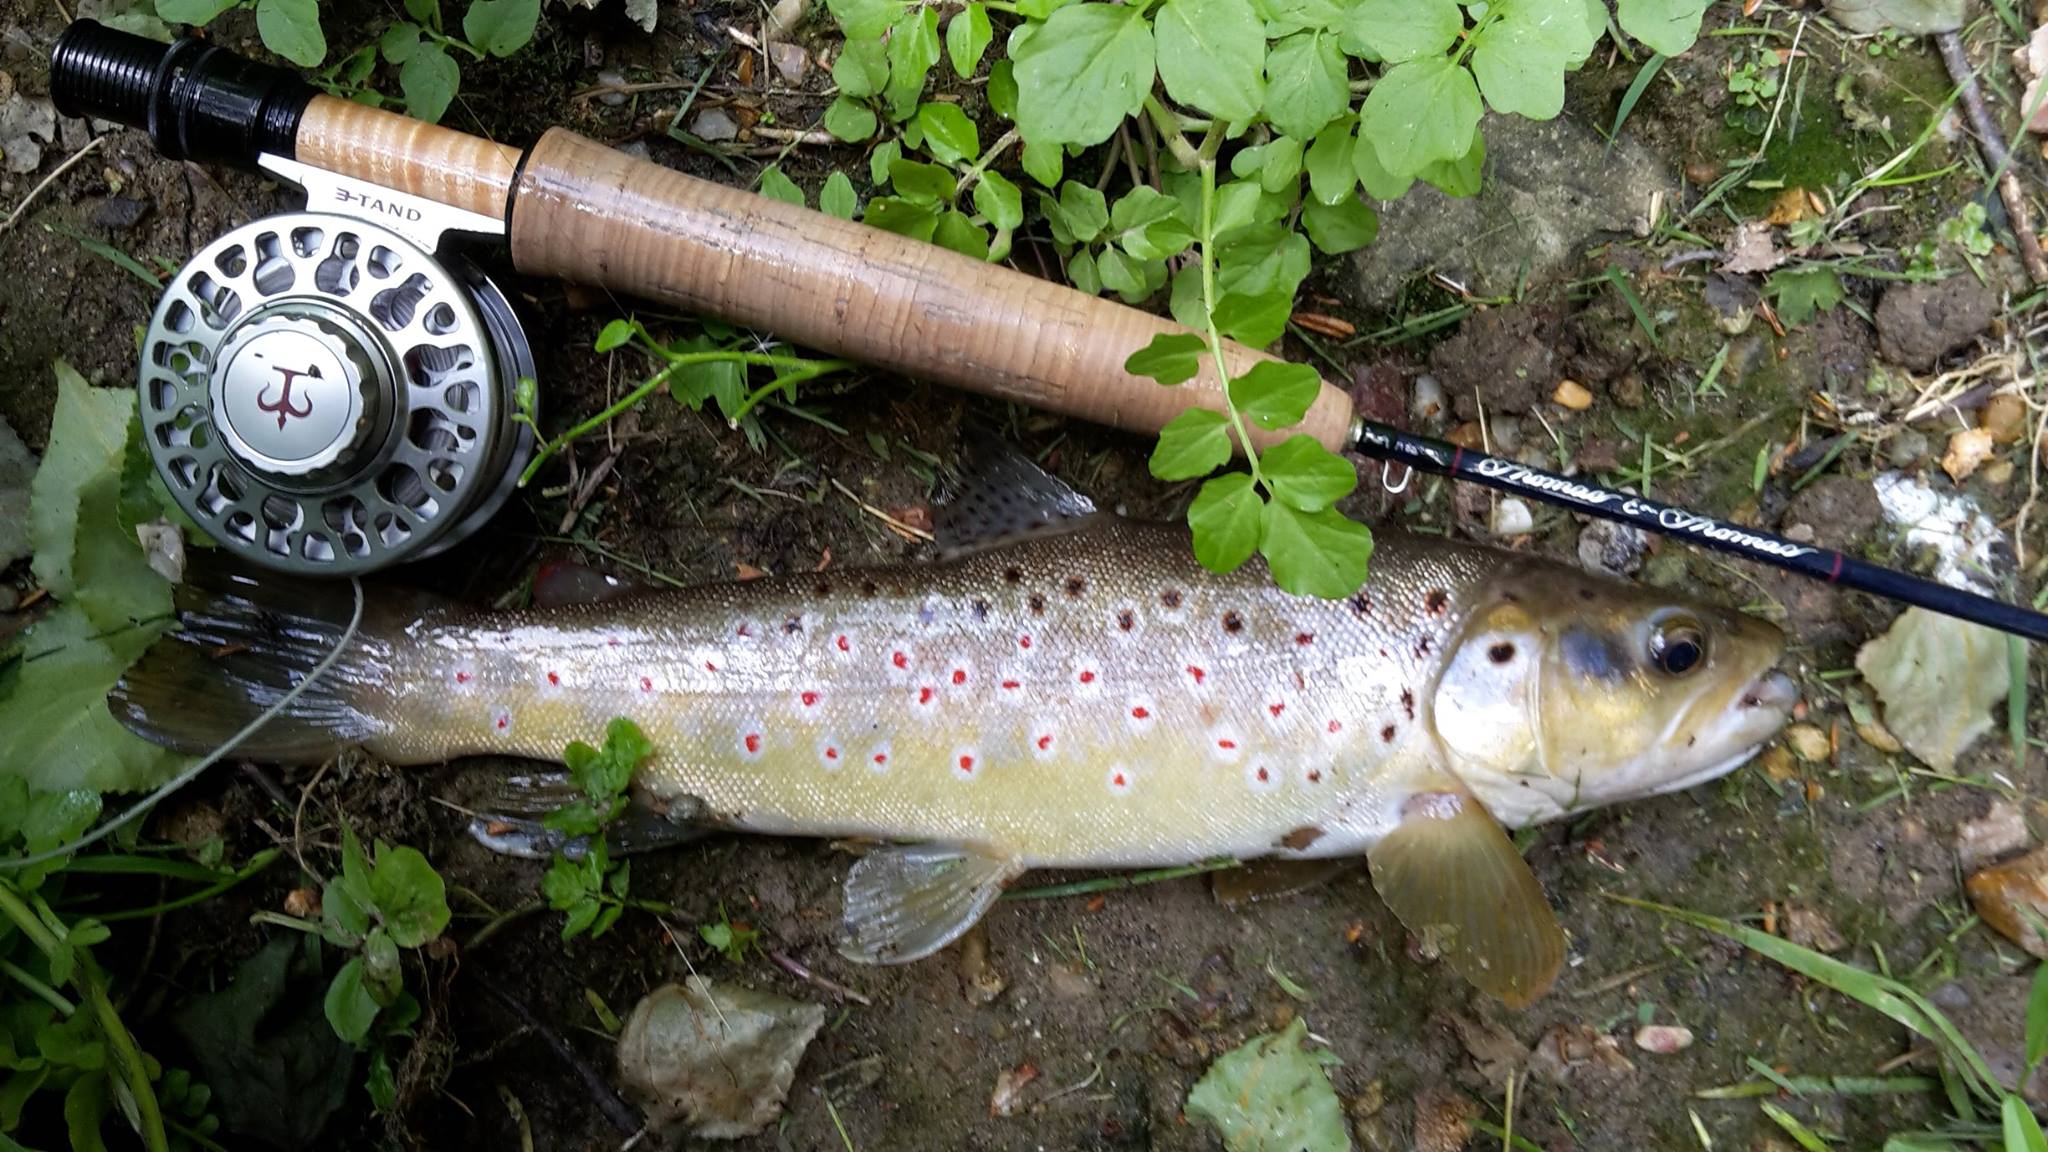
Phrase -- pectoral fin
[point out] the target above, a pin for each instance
(1454, 878)
(904, 903)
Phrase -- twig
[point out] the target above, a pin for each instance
(899, 526)
(1995, 155)
(608, 1101)
(816, 136)
(299, 815)
(22, 209)
(791, 966)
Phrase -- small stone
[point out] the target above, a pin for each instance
(1571, 1051)
(1507, 435)
(713, 125)
(1428, 404)
(2000, 832)
(1573, 395)
(1777, 763)
(614, 80)
(1443, 1120)
(1628, 390)
(1878, 736)
(1810, 743)
(2013, 899)
(790, 60)
(1906, 449)
(1663, 1039)
(2005, 417)
(1800, 533)
(1613, 548)
(1966, 451)
(1513, 518)
(979, 978)
(1468, 436)
(1008, 1096)
(303, 903)
(1999, 473)
(1919, 324)
(1808, 928)
(119, 212)
(1069, 983)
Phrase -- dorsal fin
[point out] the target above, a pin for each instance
(1001, 497)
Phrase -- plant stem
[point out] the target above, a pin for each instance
(1170, 132)
(995, 151)
(816, 369)
(256, 864)
(41, 991)
(1207, 166)
(91, 985)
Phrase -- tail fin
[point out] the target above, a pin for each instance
(244, 640)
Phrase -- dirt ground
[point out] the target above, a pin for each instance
(1120, 1003)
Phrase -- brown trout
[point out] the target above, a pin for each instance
(1089, 697)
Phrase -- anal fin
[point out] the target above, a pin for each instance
(905, 902)
(1270, 879)
(1452, 875)
(506, 817)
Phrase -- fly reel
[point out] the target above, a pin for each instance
(324, 395)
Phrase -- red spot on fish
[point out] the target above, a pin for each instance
(1023, 641)
(1227, 745)
(881, 757)
(1336, 726)
(647, 683)
(1197, 673)
(967, 763)
(1315, 775)
(1141, 713)
(1012, 685)
(746, 630)
(1304, 638)
(959, 676)
(611, 641)
(924, 695)
(504, 722)
(462, 677)
(899, 660)
(1087, 676)
(555, 678)
(844, 644)
(831, 753)
(1118, 780)
(710, 667)
(753, 742)
(1264, 775)
(1276, 708)
(810, 699)
(1044, 742)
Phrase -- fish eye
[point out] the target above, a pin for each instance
(1678, 647)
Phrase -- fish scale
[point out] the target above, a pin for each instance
(1087, 699)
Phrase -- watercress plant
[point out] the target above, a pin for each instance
(592, 891)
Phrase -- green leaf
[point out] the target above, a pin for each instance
(1566, 29)
(381, 1083)
(1281, 172)
(1669, 27)
(399, 41)
(85, 1107)
(196, 12)
(581, 917)
(1420, 112)
(777, 186)
(351, 1010)
(1212, 56)
(1000, 202)
(500, 27)
(1265, 259)
(968, 35)
(1331, 176)
(1799, 293)
(885, 154)
(1082, 72)
(1147, 223)
(1459, 177)
(1254, 320)
(849, 120)
(562, 884)
(1517, 71)
(1315, 553)
(837, 197)
(2037, 1017)
(1399, 30)
(615, 335)
(1171, 358)
(291, 28)
(921, 183)
(2022, 1132)
(1379, 183)
(913, 49)
(59, 734)
(948, 134)
(429, 79)
(1085, 211)
(1082, 275)
(383, 977)
(88, 438)
(1043, 161)
(1122, 275)
(1287, 16)
(1227, 517)
(1271, 1093)
(1002, 88)
(956, 231)
(1194, 443)
(865, 20)
(1346, 226)
(904, 217)
(410, 896)
(426, 13)
(1239, 204)
(1307, 84)
(862, 70)
(1305, 475)
(1275, 393)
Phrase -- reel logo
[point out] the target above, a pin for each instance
(282, 406)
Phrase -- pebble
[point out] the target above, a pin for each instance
(1513, 518)
(789, 59)
(1966, 451)
(1663, 1039)
(1808, 928)
(1628, 391)
(119, 212)
(611, 79)
(2013, 899)
(713, 125)
(2005, 417)
(1616, 549)
(1428, 403)
(1999, 473)
(1809, 742)
(1800, 533)
(1507, 435)
(1573, 395)
(1906, 449)
(1997, 834)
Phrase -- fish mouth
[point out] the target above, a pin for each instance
(1758, 712)
(1773, 691)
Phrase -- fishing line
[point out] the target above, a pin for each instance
(136, 810)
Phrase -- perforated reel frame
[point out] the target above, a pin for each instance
(390, 377)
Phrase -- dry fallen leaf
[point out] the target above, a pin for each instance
(1937, 678)
(1752, 250)
(716, 1063)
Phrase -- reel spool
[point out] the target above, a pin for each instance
(325, 396)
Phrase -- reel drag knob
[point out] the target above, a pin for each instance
(324, 396)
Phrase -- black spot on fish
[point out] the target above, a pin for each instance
(792, 625)
(868, 588)
(1013, 575)
(1422, 647)
(980, 608)
(1076, 585)
(1125, 620)
(822, 588)
(1037, 603)
(1501, 653)
(1586, 594)
(1233, 623)
(1301, 838)
(1387, 734)
(1361, 604)
(1436, 602)
(1408, 702)
(1170, 598)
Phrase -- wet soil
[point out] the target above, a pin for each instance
(1120, 1002)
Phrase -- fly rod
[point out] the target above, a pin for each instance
(358, 469)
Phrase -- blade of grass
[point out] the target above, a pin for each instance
(2016, 700)
(2022, 1131)
(2037, 1018)
(1800, 1133)
(1644, 75)
(1635, 306)
(110, 254)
